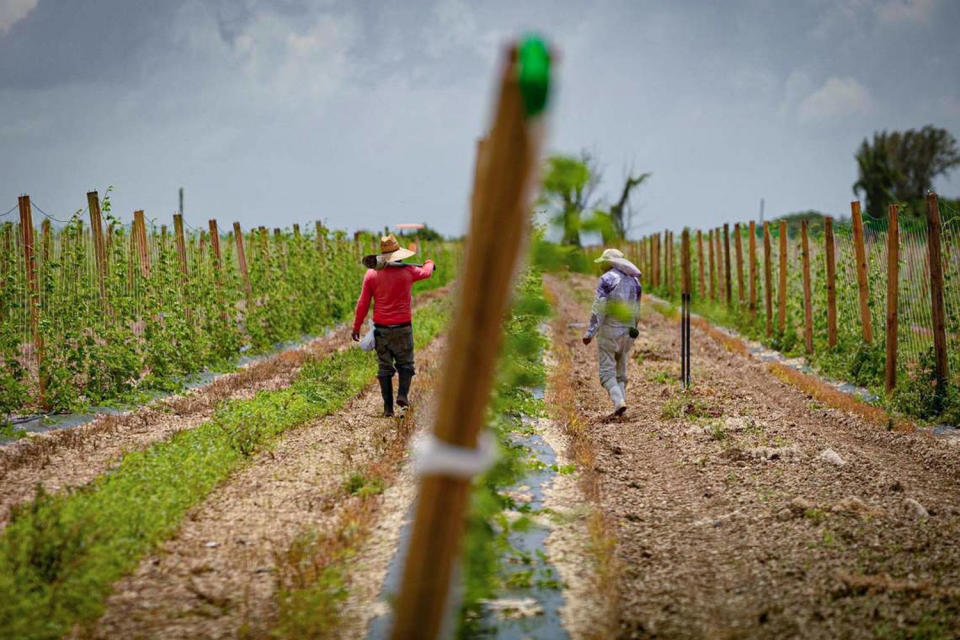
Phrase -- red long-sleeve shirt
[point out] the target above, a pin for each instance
(390, 290)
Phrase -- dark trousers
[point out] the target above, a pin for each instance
(394, 349)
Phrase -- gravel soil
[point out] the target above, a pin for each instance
(215, 578)
(70, 458)
(745, 509)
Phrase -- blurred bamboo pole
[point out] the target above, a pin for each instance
(497, 231)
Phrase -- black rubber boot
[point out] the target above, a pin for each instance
(386, 390)
(403, 389)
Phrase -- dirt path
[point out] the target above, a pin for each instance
(216, 578)
(731, 524)
(70, 458)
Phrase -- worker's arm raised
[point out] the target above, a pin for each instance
(424, 272)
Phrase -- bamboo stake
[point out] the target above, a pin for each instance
(726, 263)
(807, 296)
(99, 251)
(661, 262)
(703, 290)
(782, 292)
(752, 244)
(668, 236)
(717, 240)
(215, 244)
(33, 289)
(7, 250)
(642, 249)
(666, 261)
(656, 260)
(738, 245)
(938, 312)
(497, 231)
(893, 293)
(862, 283)
(831, 283)
(242, 256)
(47, 243)
(713, 269)
(181, 245)
(140, 236)
(131, 256)
(768, 276)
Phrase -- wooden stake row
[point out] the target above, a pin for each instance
(716, 277)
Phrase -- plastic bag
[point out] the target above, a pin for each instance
(367, 342)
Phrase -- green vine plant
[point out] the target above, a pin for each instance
(155, 324)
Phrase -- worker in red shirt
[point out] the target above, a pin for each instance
(389, 286)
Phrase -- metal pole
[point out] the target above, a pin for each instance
(683, 340)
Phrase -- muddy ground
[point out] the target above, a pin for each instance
(745, 509)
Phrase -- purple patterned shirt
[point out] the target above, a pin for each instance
(617, 287)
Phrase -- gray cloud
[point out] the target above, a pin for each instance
(365, 113)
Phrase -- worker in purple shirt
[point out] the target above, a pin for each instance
(613, 322)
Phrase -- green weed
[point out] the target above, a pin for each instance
(60, 555)
(359, 485)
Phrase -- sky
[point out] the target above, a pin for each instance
(365, 113)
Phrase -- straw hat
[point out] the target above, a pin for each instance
(390, 249)
(616, 258)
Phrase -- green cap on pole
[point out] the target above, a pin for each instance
(533, 72)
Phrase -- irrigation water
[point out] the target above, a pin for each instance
(529, 607)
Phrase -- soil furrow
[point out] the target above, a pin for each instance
(217, 577)
(732, 525)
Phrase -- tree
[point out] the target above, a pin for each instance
(568, 186)
(621, 213)
(794, 221)
(901, 166)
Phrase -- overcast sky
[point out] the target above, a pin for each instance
(365, 113)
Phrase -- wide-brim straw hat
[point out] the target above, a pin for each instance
(617, 259)
(391, 251)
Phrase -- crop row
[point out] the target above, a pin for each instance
(728, 283)
(60, 554)
(97, 311)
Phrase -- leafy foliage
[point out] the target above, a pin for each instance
(568, 185)
(150, 330)
(901, 166)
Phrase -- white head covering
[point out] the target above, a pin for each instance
(616, 258)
